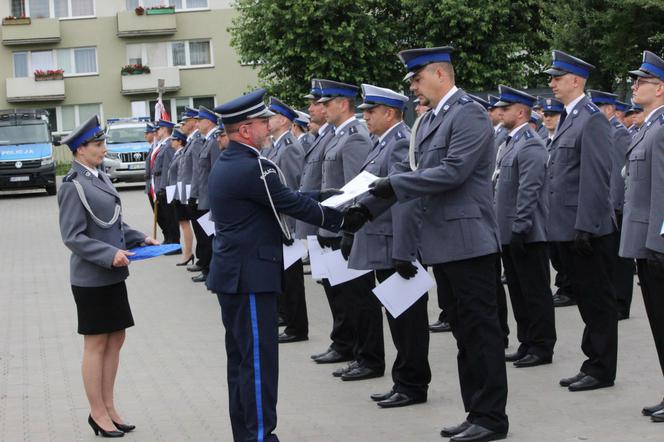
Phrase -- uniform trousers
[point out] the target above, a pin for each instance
(623, 275)
(652, 288)
(252, 355)
(528, 280)
(502, 302)
(292, 302)
(561, 280)
(411, 373)
(596, 299)
(168, 222)
(203, 241)
(469, 297)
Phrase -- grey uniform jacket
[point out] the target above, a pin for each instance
(499, 136)
(456, 156)
(643, 213)
(343, 158)
(312, 176)
(186, 169)
(520, 199)
(579, 174)
(543, 133)
(173, 170)
(148, 170)
(93, 247)
(208, 156)
(372, 248)
(621, 141)
(161, 163)
(306, 140)
(288, 155)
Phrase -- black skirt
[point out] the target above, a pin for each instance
(102, 309)
(182, 212)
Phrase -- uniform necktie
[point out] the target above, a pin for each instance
(562, 118)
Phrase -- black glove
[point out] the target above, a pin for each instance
(287, 241)
(382, 188)
(324, 241)
(161, 195)
(355, 217)
(193, 205)
(326, 193)
(582, 243)
(405, 269)
(656, 264)
(346, 245)
(518, 243)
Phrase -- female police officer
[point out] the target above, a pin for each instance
(92, 228)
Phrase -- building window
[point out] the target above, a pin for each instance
(179, 4)
(53, 8)
(192, 53)
(174, 106)
(74, 61)
(69, 117)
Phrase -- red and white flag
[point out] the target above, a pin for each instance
(160, 111)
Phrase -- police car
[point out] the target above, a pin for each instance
(26, 151)
(127, 149)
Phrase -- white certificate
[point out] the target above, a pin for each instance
(398, 294)
(292, 253)
(170, 193)
(206, 224)
(337, 268)
(353, 188)
(179, 186)
(318, 268)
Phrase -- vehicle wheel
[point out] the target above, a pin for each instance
(51, 189)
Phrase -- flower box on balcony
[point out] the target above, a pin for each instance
(135, 69)
(9, 21)
(57, 74)
(160, 11)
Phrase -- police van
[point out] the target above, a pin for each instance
(26, 151)
(127, 149)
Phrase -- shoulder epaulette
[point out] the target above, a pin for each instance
(399, 135)
(352, 130)
(661, 119)
(617, 124)
(288, 141)
(465, 99)
(528, 134)
(590, 107)
(69, 177)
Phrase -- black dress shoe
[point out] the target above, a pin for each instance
(589, 383)
(440, 326)
(332, 357)
(513, 357)
(284, 338)
(476, 433)
(531, 361)
(201, 277)
(657, 416)
(318, 355)
(360, 373)
(194, 268)
(340, 371)
(280, 321)
(377, 397)
(124, 427)
(562, 300)
(566, 382)
(399, 400)
(453, 431)
(649, 411)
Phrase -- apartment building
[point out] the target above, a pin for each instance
(91, 41)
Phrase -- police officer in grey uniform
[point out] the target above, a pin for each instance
(162, 161)
(581, 219)
(451, 163)
(521, 210)
(208, 154)
(496, 116)
(288, 154)
(372, 248)
(150, 135)
(622, 272)
(301, 130)
(644, 205)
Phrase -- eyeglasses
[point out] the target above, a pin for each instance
(640, 81)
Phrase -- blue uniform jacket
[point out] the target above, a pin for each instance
(247, 248)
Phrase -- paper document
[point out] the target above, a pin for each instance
(179, 190)
(188, 190)
(353, 188)
(292, 253)
(398, 294)
(318, 268)
(206, 224)
(337, 268)
(170, 193)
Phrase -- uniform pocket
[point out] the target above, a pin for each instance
(637, 165)
(268, 253)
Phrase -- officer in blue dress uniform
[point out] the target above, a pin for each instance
(247, 199)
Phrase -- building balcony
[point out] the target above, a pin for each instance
(147, 83)
(39, 31)
(132, 25)
(27, 89)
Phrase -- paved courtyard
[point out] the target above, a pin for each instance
(172, 385)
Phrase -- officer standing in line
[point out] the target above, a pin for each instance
(178, 140)
(638, 118)
(621, 108)
(373, 248)
(189, 127)
(538, 107)
(246, 269)
(551, 110)
(301, 130)
(496, 116)
(150, 134)
(521, 210)
(288, 155)
(451, 166)
(357, 316)
(537, 125)
(581, 219)
(163, 154)
(207, 123)
(644, 206)
(622, 271)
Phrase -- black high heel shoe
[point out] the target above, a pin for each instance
(97, 429)
(123, 427)
(189, 260)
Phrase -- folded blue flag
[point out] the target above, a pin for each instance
(147, 252)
